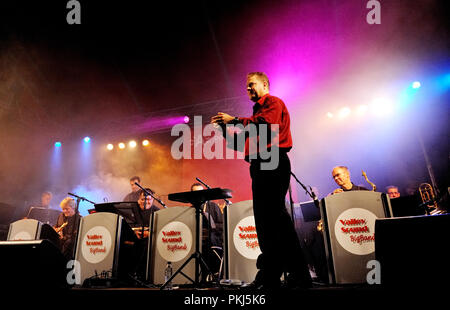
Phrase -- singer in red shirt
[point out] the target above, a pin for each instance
(277, 237)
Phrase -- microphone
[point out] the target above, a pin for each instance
(314, 197)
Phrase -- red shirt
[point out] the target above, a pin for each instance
(270, 110)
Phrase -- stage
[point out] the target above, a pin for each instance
(200, 140)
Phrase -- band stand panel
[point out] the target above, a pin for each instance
(26, 229)
(172, 239)
(97, 248)
(240, 242)
(30, 229)
(349, 233)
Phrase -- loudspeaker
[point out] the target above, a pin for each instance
(413, 251)
(36, 264)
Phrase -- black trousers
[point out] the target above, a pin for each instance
(277, 237)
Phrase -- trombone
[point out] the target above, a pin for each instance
(429, 200)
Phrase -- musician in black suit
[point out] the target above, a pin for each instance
(146, 208)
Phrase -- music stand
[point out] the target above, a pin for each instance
(130, 211)
(310, 211)
(197, 198)
(44, 215)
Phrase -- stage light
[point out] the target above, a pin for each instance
(58, 144)
(330, 115)
(110, 147)
(362, 109)
(87, 139)
(121, 145)
(344, 112)
(416, 84)
(145, 142)
(442, 82)
(381, 106)
(132, 144)
(186, 119)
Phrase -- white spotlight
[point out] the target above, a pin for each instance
(344, 112)
(132, 144)
(362, 109)
(381, 106)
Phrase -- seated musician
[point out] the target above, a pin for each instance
(392, 191)
(67, 226)
(341, 176)
(212, 223)
(147, 208)
(43, 211)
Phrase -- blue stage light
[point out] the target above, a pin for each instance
(58, 144)
(416, 84)
(87, 139)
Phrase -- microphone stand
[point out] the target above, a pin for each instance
(311, 194)
(79, 198)
(147, 193)
(207, 186)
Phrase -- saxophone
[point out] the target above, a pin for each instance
(374, 187)
(60, 228)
